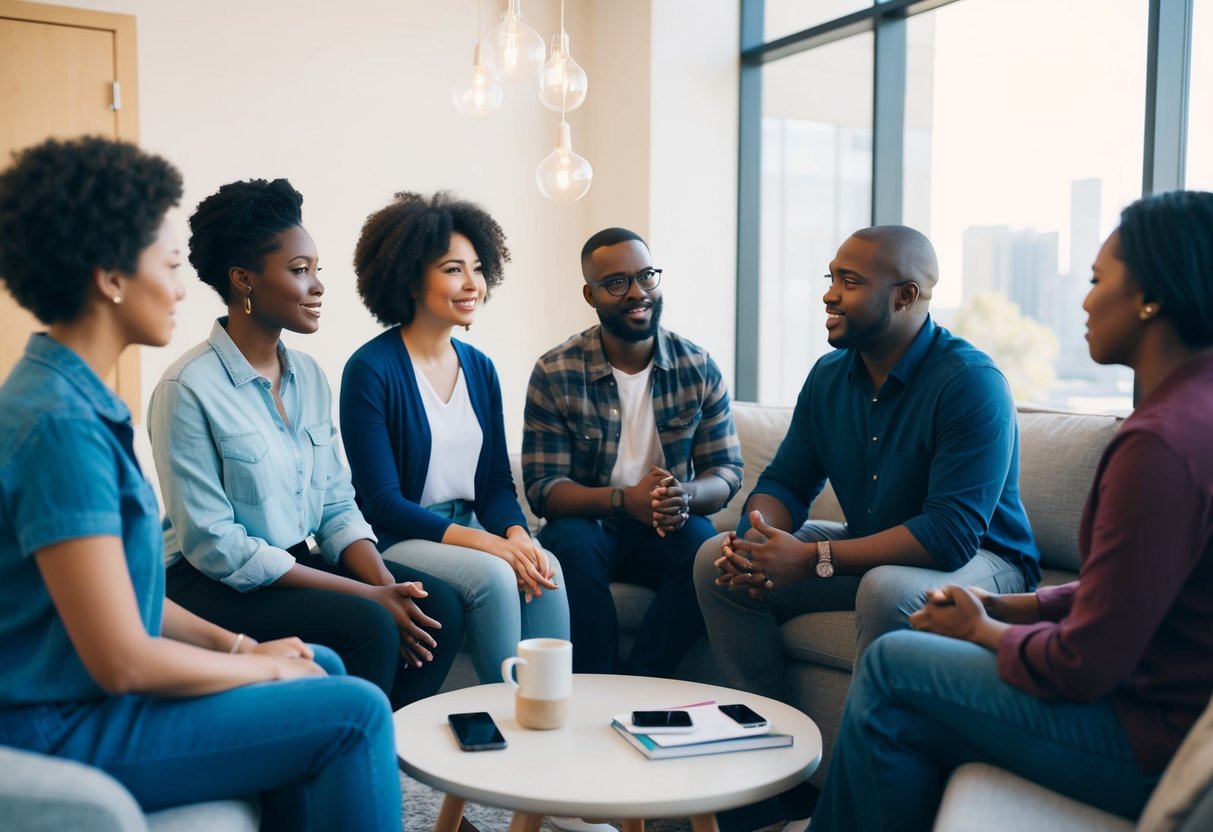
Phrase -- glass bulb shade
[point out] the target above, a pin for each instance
(563, 176)
(477, 95)
(562, 81)
(513, 51)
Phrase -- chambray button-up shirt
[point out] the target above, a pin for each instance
(67, 471)
(240, 485)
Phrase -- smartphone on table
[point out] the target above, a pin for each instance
(663, 722)
(744, 716)
(476, 731)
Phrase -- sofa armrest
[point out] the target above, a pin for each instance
(981, 796)
(38, 792)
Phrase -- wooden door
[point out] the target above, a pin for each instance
(58, 68)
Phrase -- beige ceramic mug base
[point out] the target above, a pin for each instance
(541, 714)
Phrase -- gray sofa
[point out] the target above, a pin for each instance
(1059, 454)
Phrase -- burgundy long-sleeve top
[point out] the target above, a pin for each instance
(1138, 622)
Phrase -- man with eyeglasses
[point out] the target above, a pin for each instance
(916, 431)
(629, 445)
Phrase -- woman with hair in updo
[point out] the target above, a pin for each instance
(95, 664)
(1090, 687)
(422, 423)
(243, 439)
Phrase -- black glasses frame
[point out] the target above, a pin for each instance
(618, 285)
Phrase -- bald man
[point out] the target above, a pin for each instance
(916, 431)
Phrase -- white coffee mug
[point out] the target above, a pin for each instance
(544, 687)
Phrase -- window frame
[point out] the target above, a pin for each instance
(1169, 59)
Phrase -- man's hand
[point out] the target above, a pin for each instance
(671, 504)
(638, 498)
(958, 613)
(1018, 608)
(781, 558)
(415, 643)
(737, 570)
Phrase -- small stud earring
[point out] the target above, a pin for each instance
(467, 327)
(1146, 312)
(117, 299)
(248, 302)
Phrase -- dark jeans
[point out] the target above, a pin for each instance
(593, 553)
(360, 631)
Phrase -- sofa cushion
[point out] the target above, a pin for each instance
(1059, 453)
(1184, 796)
(826, 638)
(981, 796)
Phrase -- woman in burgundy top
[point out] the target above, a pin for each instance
(1086, 688)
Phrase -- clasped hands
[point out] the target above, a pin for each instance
(766, 558)
(973, 614)
(659, 500)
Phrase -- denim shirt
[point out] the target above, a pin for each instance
(67, 471)
(240, 485)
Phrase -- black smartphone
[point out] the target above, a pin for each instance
(744, 716)
(476, 731)
(661, 719)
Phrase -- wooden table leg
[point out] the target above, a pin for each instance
(525, 822)
(633, 825)
(704, 823)
(450, 816)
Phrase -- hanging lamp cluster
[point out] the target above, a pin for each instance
(513, 53)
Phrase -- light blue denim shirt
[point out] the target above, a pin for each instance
(67, 471)
(239, 484)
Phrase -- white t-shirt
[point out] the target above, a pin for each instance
(455, 442)
(639, 444)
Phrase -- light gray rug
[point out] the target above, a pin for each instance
(421, 804)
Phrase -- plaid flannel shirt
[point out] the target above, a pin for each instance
(573, 419)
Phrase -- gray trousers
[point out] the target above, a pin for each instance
(745, 633)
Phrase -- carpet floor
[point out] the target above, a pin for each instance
(421, 804)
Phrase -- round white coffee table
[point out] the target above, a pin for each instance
(585, 769)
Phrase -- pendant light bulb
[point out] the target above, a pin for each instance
(513, 51)
(477, 95)
(563, 176)
(562, 81)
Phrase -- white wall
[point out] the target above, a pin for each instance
(351, 102)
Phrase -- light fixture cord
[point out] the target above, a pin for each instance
(480, 10)
(564, 92)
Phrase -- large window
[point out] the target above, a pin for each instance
(1200, 100)
(1011, 132)
(816, 187)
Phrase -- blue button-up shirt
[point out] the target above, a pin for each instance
(240, 485)
(67, 471)
(936, 449)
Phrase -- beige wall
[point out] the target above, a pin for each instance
(351, 101)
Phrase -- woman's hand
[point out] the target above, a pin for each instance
(283, 648)
(1019, 608)
(415, 643)
(525, 557)
(956, 612)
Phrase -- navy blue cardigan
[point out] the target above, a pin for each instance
(387, 441)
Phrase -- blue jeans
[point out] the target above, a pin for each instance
(923, 704)
(595, 553)
(324, 746)
(745, 633)
(498, 617)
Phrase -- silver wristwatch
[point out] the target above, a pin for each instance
(825, 561)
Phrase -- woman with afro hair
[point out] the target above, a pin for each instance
(245, 448)
(95, 664)
(423, 429)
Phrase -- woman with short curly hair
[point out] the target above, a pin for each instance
(95, 664)
(422, 423)
(243, 437)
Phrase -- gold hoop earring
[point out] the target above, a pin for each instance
(248, 302)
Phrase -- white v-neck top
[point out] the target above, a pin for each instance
(455, 442)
